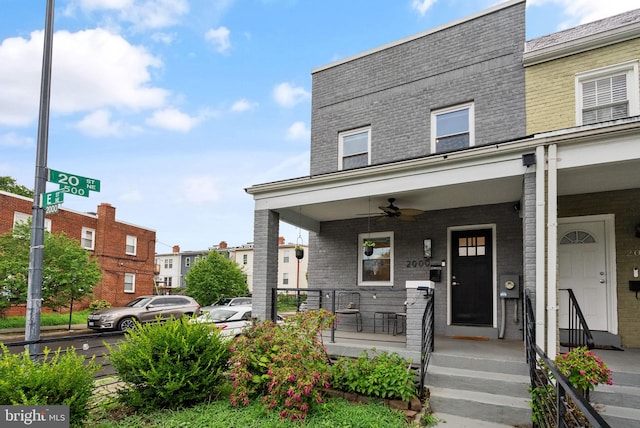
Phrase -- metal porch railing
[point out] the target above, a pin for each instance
(427, 342)
(578, 330)
(556, 403)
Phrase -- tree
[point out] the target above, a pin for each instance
(10, 185)
(68, 270)
(214, 277)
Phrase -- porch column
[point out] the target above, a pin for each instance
(540, 247)
(552, 252)
(266, 228)
(529, 244)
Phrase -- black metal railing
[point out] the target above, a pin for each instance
(427, 341)
(555, 402)
(577, 330)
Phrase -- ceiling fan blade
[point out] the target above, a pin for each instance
(410, 211)
(389, 210)
(406, 218)
(383, 218)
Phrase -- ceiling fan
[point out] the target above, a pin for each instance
(402, 214)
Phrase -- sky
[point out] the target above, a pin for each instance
(177, 106)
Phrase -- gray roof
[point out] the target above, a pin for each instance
(584, 30)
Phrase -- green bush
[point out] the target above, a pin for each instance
(384, 375)
(285, 364)
(170, 365)
(96, 305)
(59, 378)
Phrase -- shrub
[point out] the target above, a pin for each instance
(96, 305)
(383, 375)
(583, 369)
(170, 365)
(286, 364)
(59, 378)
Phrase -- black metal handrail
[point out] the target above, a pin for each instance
(427, 341)
(556, 403)
(578, 329)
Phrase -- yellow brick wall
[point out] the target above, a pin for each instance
(550, 86)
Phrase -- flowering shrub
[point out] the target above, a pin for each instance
(286, 364)
(583, 369)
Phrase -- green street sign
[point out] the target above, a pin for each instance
(51, 198)
(74, 184)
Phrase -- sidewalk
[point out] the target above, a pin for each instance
(17, 334)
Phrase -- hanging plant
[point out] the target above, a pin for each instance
(299, 252)
(368, 247)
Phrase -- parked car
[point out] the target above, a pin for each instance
(233, 301)
(230, 320)
(143, 309)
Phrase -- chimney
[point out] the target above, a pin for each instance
(106, 212)
(176, 248)
(222, 245)
(281, 240)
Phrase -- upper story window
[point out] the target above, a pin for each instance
(245, 259)
(187, 261)
(88, 238)
(132, 244)
(452, 128)
(607, 93)
(168, 263)
(354, 148)
(285, 257)
(26, 218)
(376, 269)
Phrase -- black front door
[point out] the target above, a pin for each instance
(472, 277)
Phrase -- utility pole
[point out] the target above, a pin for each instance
(34, 293)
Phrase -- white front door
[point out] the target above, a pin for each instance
(582, 266)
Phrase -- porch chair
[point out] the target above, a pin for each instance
(349, 304)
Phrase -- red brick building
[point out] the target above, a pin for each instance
(125, 252)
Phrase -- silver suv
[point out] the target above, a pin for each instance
(143, 309)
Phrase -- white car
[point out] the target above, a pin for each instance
(230, 320)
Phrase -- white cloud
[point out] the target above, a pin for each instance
(99, 124)
(142, 14)
(166, 38)
(172, 119)
(422, 6)
(200, 190)
(92, 69)
(14, 140)
(219, 38)
(298, 131)
(243, 105)
(582, 11)
(288, 96)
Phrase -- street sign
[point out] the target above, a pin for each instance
(51, 198)
(51, 209)
(74, 184)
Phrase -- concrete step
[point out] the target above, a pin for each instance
(481, 381)
(453, 421)
(619, 405)
(482, 389)
(481, 406)
(480, 364)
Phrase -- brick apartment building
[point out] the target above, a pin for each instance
(125, 252)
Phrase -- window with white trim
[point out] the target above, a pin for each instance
(376, 269)
(19, 217)
(132, 243)
(129, 282)
(168, 281)
(285, 256)
(607, 93)
(168, 263)
(452, 128)
(245, 259)
(354, 148)
(88, 240)
(285, 278)
(187, 262)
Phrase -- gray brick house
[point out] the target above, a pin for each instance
(423, 146)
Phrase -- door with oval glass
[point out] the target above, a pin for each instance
(582, 267)
(472, 277)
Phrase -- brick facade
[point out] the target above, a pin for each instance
(109, 250)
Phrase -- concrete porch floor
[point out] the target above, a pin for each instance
(351, 343)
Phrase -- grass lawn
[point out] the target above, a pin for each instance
(334, 413)
(79, 317)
